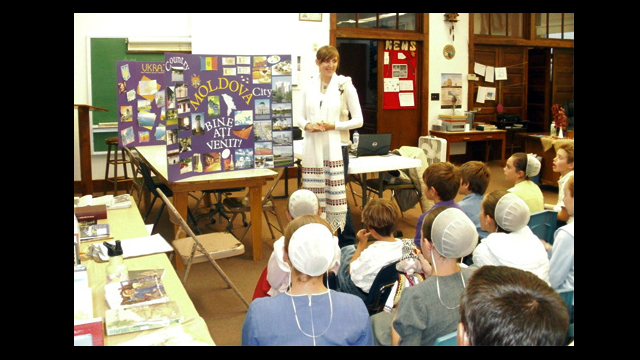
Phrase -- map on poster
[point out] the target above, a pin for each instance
(226, 113)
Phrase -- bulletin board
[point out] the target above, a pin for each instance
(399, 78)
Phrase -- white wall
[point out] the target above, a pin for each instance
(245, 33)
(439, 37)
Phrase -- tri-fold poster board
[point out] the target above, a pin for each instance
(214, 113)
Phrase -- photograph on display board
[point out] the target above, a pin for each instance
(227, 113)
(142, 99)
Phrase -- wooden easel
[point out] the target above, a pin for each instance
(85, 146)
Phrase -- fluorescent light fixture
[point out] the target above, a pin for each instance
(158, 44)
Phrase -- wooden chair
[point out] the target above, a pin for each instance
(112, 145)
(138, 182)
(240, 206)
(200, 248)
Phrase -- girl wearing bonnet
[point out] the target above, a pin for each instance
(510, 242)
(429, 309)
(308, 313)
(520, 169)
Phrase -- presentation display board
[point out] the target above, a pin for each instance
(214, 113)
(141, 103)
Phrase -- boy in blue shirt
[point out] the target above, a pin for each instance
(474, 182)
(442, 181)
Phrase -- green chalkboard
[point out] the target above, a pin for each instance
(105, 53)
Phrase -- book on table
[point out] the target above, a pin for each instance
(146, 272)
(88, 332)
(110, 201)
(139, 318)
(140, 291)
(94, 232)
(90, 214)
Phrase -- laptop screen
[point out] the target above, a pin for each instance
(373, 144)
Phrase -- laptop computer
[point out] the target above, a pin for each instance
(373, 144)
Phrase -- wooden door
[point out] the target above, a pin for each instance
(404, 124)
(511, 93)
(562, 76)
(360, 61)
(539, 96)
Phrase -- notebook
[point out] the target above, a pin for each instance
(373, 144)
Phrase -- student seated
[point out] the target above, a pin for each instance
(429, 309)
(308, 313)
(442, 181)
(563, 164)
(520, 169)
(276, 277)
(562, 254)
(505, 306)
(361, 263)
(474, 181)
(510, 242)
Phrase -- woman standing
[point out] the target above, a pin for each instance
(327, 101)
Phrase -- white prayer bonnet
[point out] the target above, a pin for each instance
(512, 213)
(453, 234)
(312, 249)
(302, 202)
(533, 165)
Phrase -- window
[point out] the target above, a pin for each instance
(390, 21)
(498, 24)
(554, 26)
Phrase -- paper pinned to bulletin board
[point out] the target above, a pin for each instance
(399, 78)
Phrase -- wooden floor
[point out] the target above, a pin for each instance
(219, 306)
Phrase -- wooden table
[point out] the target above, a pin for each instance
(254, 179)
(85, 146)
(126, 224)
(474, 135)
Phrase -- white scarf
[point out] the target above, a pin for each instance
(323, 168)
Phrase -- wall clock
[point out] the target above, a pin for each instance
(449, 52)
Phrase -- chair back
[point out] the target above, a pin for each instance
(543, 224)
(451, 339)
(567, 296)
(381, 288)
(177, 219)
(268, 196)
(148, 181)
(134, 160)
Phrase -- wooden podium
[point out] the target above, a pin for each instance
(85, 146)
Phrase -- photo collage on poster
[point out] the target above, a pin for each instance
(141, 103)
(227, 112)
